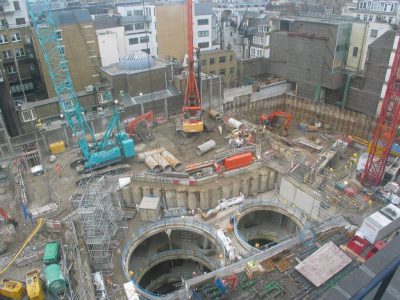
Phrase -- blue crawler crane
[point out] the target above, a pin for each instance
(102, 153)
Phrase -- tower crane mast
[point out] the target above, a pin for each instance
(192, 119)
(386, 126)
(102, 153)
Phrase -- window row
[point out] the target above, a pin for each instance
(8, 53)
(131, 27)
(222, 72)
(141, 40)
(15, 37)
(28, 86)
(221, 60)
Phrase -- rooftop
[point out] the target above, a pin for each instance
(68, 17)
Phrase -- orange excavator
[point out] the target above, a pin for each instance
(192, 119)
(271, 119)
(134, 129)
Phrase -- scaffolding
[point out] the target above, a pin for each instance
(99, 207)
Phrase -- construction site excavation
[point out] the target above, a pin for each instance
(168, 178)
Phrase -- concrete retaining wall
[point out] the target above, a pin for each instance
(304, 110)
(207, 194)
(290, 191)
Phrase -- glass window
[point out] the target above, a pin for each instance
(232, 70)
(139, 26)
(19, 52)
(212, 60)
(147, 50)
(202, 22)
(133, 41)
(373, 33)
(128, 27)
(203, 33)
(129, 13)
(204, 45)
(59, 35)
(61, 50)
(204, 62)
(138, 12)
(32, 67)
(231, 58)
(222, 72)
(16, 5)
(16, 37)
(3, 39)
(20, 21)
(12, 69)
(370, 18)
(144, 39)
(355, 51)
(222, 59)
(7, 54)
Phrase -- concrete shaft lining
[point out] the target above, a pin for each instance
(276, 209)
(176, 254)
(252, 205)
(145, 232)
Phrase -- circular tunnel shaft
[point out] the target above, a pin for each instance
(266, 227)
(162, 260)
(166, 277)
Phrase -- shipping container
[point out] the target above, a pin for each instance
(238, 161)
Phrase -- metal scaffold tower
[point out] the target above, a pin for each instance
(99, 209)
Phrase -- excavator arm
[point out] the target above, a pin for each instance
(130, 124)
(271, 118)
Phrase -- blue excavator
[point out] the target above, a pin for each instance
(101, 153)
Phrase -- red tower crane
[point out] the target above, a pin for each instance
(192, 119)
(386, 127)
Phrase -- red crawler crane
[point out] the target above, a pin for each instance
(386, 127)
(192, 120)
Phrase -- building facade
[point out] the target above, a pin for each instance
(19, 63)
(202, 26)
(313, 54)
(386, 11)
(13, 13)
(222, 63)
(139, 24)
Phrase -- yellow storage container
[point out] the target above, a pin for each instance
(57, 147)
(33, 285)
(11, 289)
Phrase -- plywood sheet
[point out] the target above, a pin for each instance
(323, 264)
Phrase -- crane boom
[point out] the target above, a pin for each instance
(386, 127)
(101, 154)
(46, 32)
(192, 120)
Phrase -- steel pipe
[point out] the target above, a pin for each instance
(152, 164)
(143, 155)
(204, 148)
(175, 163)
(162, 162)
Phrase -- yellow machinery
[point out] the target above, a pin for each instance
(33, 285)
(57, 147)
(11, 289)
(368, 144)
